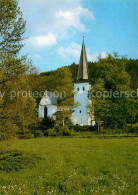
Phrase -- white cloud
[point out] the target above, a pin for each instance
(74, 50)
(37, 56)
(103, 54)
(72, 18)
(58, 17)
(42, 41)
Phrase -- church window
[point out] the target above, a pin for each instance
(83, 88)
(80, 111)
(78, 89)
(45, 112)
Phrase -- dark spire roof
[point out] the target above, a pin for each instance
(83, 66)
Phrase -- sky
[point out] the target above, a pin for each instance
(55, 28)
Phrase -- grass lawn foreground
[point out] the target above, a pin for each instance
(68, 166)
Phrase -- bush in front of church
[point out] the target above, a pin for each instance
(38, 133)
(45, 123)
(60, 131)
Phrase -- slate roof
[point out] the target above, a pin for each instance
(48, 100)
(83, 66)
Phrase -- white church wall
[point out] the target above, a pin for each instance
(80, 115)
(51, 110)
(41, 111)
(91, 118)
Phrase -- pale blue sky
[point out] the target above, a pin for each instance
(55, 27)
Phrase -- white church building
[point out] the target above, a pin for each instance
(80, 115)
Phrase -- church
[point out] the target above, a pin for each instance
(80, 115)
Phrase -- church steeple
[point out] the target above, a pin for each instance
(82, 75)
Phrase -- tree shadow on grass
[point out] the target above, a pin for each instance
(14, 160)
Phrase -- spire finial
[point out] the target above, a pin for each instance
(83, 36)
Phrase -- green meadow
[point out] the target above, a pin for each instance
(68, 166)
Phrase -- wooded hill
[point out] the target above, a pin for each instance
(131, 69)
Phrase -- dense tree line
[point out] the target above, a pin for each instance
(131, 68)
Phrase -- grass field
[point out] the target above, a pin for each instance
(68, 166)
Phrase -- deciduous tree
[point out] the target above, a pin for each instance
(18, 113)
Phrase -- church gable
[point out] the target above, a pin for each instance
(45, 101)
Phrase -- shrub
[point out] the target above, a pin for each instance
(52, 132)
(3, 136)
(8, 130)
(60, 131)
(79, 128)
(38, 133)
(45, 123)
(14, 160)
(26, 134)
(114, 131)
(134, 128)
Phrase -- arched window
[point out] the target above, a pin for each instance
(80, 111)
(78, 89)
(45, 112)
(83, 88)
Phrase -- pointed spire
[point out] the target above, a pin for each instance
(83, 66)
